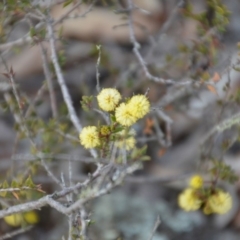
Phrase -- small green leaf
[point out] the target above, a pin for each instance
(14, 184)
(29, 182)
(68, 2)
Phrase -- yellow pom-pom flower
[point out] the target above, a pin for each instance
(105, 130)
(89, 137)
(188, 200)
(17, 219)
(108, 99)
(196, 181)
(126, 140)
(207, 209)
(124, 115)
(220, 202)
(31, 217)
(139, 106)
(14, 220)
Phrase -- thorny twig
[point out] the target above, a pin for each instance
(50, 200)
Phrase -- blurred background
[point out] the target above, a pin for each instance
(181, 137)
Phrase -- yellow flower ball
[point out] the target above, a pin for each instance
(124, 115)
(108, 99)
(14, 220)
(89, 137)
(220, 202)
(31, 217)
(188, 200)
(105, 130)
(207, 209)
(139, 106)
(196, 181)
(126, 140)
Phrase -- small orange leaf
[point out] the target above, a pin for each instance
(15, 195)
(169, 107)
(161, 152)
(39, 188)
(216, 77)
(148, 126)
(212, 89)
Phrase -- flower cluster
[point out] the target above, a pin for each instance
(122, 114)
(128, 113)
(210, 200)
(18, 219)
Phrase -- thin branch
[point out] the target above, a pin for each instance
(64, 157)
(38, 96)
(19, 118)
(21, 41)
(116, 180)
(48, 76)
(15, 233)
(70, 200)
(103, 114)
(50, 200)
(50, 173)
(84, 224)
(136, 47)
(167, 24)
(67, 135)
(67, 13)
(222, 126)
(157, 223)
(97, 68)
(27, 38)
(17, 189)
(62, 83)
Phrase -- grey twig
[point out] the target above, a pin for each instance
(21, 41)
(38, 96)
(64, 157)
(50, 200)
(50, 173)
(157, 223)
(103, 114)
(19, 118)
(97, 68)
(15, 233)
(48, 76)
(136, 47)
(83, 215)
(27, 38)
(167, 24)
(62, 83)
(68, 12)
(66, 15)
(222, 126)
